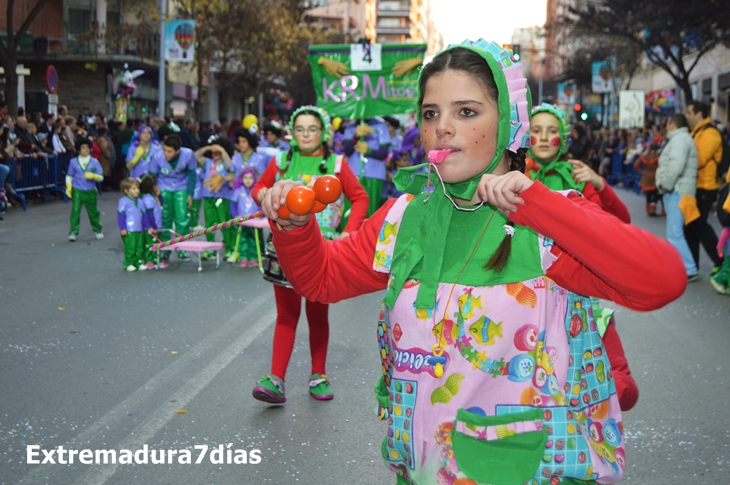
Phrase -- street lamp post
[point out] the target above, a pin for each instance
(161, 76)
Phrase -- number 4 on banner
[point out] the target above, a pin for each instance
(366, 58)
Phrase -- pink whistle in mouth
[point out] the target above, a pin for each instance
(438, 156)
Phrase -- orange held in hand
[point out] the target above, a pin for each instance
(327, 189)
(300, 200)
(318, 207)
(283, 212)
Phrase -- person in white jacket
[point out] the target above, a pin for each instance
(675, 178)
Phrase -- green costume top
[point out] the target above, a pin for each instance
(556, 174)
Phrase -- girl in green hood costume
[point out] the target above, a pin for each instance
(549, 132)
(493, 370)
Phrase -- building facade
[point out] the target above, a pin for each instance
(89, 49)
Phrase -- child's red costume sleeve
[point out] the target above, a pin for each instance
(608, 201)
(267, 178)
(626, 388)
(598, 255)
(357, 196)
(330, 271)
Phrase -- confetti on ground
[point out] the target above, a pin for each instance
(180, 411)
(61, 308)
(173, 352)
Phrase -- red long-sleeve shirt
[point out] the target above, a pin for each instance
(351, 187)
(624, 268)
(608, 201)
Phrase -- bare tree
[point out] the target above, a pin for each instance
(673, 34)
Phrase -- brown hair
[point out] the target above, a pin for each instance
(147, 184)
(127, 184)
(474, 64)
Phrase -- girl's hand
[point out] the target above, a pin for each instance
(584, 173)
(123, 232)
(274, 198)
(502, 191)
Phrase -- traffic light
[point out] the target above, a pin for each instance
(584, 116)
(577, 107)
(517, 52)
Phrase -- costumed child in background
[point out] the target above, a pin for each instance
(647, 165)
(152, 219)
(274, 132)
(721, 281)
(398, 160)
(244, 204)
(549, 144)
(142, 151)
(247, 143)
(367, 146)
(217, 192)
(396, 139)
(130, 217)
(197, 200)
(81, 178)
(337, 140)
(308, 159)
(413, 144)
(482, 276)
(175, 168)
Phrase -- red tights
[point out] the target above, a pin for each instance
(288, 309)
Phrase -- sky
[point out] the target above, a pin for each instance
(490, 19)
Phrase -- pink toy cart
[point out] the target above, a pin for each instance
(198, 247)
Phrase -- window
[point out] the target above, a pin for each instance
(79, 21)
(390, 23)
(404, 5)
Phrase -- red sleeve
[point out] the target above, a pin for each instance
(608, 201)
(330, 271)
(626, 388)
(267, 179)
(598, 255)
(356, 195)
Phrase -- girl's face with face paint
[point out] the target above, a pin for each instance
(460, 116)
(248, 180)
(544, 136)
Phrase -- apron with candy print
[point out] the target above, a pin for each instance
(525, 395)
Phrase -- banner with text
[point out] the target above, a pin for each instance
(360, 81)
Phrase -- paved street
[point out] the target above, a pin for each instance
(93, 357)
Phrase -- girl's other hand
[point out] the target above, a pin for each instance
(502, 191)
(584, 173)
(274, 198)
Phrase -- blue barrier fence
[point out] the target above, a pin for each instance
(626, 175)
(45, 174)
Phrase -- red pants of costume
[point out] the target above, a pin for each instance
(288, 309)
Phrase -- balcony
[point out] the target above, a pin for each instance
(386, 31)
(141, 41)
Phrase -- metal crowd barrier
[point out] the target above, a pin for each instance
(44, 173)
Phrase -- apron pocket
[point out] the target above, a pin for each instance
(500, 450)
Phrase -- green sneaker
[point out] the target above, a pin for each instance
(270, 389)
(183, 256)
(715, 270)
(319, 387)
(208, 255)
